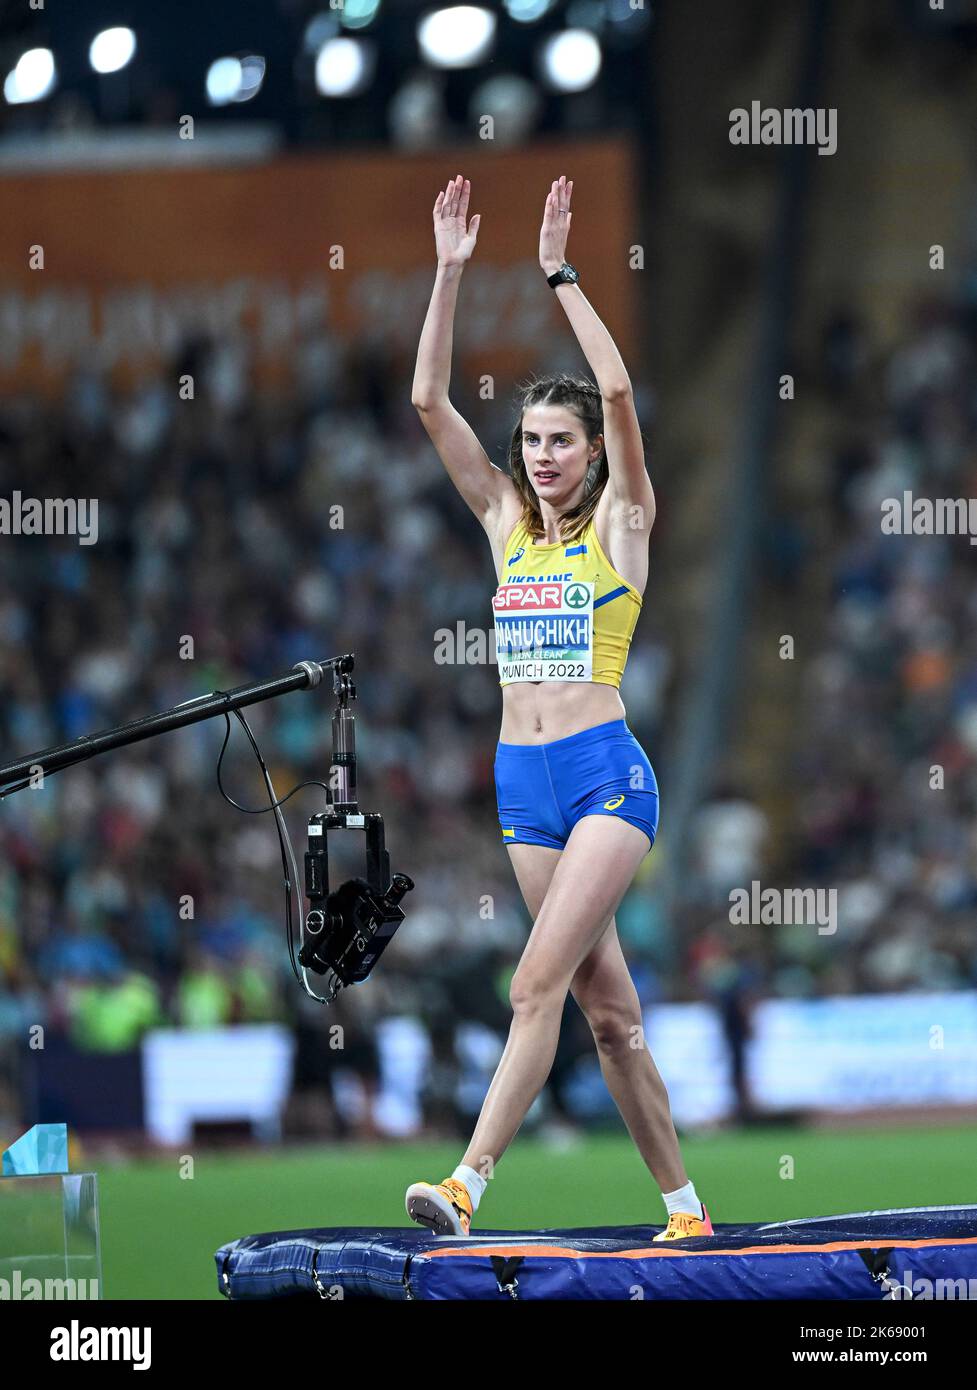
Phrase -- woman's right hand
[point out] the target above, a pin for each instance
(454, 240)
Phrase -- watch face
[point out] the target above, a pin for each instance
(570, 273)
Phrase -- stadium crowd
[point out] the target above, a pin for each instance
(886, 761)
(251, 528)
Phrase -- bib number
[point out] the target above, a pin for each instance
(544, 630)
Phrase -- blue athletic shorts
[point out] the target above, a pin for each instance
(543, 789)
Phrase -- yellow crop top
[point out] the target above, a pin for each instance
(562, 611)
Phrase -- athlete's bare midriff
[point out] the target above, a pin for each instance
(540, 711)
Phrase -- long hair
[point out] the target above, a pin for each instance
(582, 396)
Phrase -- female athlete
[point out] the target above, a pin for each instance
(577, 798)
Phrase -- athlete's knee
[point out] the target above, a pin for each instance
(531, 992)
(616, 1027)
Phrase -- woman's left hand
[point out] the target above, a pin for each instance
(556, 225)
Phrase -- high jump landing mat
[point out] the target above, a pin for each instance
(872, 1255)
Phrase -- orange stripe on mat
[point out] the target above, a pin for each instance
(871, 1242)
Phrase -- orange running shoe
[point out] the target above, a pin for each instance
(445, 1206)
(682, 1225)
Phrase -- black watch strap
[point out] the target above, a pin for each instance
(566, 275)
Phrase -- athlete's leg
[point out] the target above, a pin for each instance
(534, 867)
(591, 876)
(606, 995)
(605, 992)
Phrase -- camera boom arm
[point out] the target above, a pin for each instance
(346, 931)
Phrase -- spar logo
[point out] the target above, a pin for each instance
(576, 596)
(529, 597)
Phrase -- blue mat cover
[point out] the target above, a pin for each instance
(863, 1255)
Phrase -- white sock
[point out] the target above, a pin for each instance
(473, 1181)
(684, 1199)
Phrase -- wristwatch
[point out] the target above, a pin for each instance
(566, 275)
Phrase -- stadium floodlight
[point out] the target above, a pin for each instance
(224, 78)
(112, 49)
(527, 11)
(357, 14)
(344, 67)
(235, 79)
(33, 78)
(252, 76)
(570, 61)
(458, 37)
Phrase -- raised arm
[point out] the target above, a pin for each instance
(480, 483)
(628, 477)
